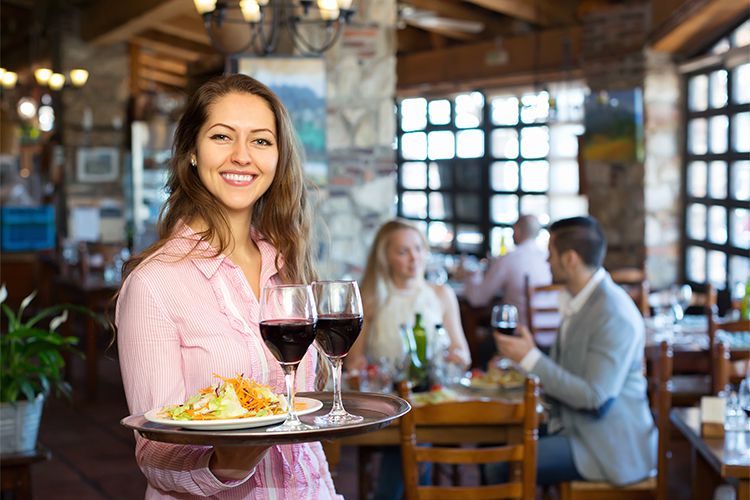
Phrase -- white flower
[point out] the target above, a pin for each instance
(26, 302)
(58, 320)
(3, 294)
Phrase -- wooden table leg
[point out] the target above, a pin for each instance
(705, 478)
(743, 489)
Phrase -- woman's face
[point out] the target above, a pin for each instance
(237, 150)
(405, 253)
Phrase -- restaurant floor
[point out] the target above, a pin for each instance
(92, 455)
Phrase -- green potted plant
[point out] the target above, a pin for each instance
(31, 367)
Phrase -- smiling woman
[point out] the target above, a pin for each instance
(236, 219)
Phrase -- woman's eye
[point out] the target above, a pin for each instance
(220, 137)
(263, 142)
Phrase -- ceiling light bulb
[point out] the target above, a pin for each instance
(56, 81)
(250, 10)
(79, 77)
(26, 108)
(2, 72)
(205, 6)
(41, 75)
(329, 9)
(9, 79)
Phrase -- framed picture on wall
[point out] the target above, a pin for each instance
(99, 164)
(300, 83)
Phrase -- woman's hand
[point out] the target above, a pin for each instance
(233, 463)
(458, 355)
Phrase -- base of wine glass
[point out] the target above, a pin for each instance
(343, 418)
(291, 426)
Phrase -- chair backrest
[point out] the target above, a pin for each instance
(483, 417)
(542, 310)
(661, 406)
(633, 280)
(727, 366)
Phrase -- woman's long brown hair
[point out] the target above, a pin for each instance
(281, 215)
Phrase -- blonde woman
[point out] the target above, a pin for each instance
(236, 219)
(394, 290)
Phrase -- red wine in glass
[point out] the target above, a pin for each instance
(287, 340)
(505, 328)
(337, 333)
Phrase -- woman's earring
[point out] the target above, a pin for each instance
(193, 162)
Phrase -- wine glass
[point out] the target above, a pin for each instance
(680, 300)
(504, 320)
(744, 395)
(287, 324)
(339, 323)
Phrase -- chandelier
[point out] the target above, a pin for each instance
(313, 26)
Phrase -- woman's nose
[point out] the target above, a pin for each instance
(241, 153)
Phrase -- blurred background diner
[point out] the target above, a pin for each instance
(457, 130)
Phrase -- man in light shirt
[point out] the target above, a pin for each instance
(600, 426)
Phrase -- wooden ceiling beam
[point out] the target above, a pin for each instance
(163, 77)
(163, 64)
(695, 23)
(189, 27)
(113, 22)
(445, 32)
(172, 46)
(484, 60)
(454, 10)
(540, 12)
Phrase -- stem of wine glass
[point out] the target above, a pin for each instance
(290, 372)
(337, 408)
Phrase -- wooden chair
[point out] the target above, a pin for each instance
(633, 280)
(651, 488)
(542, 312)
(730, 366)
(479, 417)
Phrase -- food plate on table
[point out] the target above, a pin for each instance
(495, 378)
(303, 406)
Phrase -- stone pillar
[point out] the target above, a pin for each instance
(662, 181)
(361, 189)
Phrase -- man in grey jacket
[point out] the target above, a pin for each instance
(600, 426)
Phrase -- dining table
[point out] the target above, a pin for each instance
(714, 460)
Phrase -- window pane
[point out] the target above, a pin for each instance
(534, 176)
(440, 235)
(698, 93)
(504, 208)
(717, 225)
(534, 142)
(741, 83)
(470, 143)
(468, 207)
(563, 141)
(504, 143)
(469, 239)
(413, 114)
(718, 171)
(562, 207)
(440, 175)
(697, 136)
(563, 177)
(739, 270)
(717, 269)
(440, 206)
(721, 46)
(741, 132)
(414, 204)
(741, 228)
(741, 35)
(414, 146)
(696, 264)
(741, 180)
(469, 176)
(440, 112)
(719, 88)
(535, 108)
(697, 179)
(504, 110)
(719, 133)
(504, 176)
(536, 205)
(469, 110)
(441, 145)
(696, 221)
(414, 175)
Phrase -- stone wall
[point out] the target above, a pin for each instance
(663, 176)
(361, 190)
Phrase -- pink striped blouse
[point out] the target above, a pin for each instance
(182, 320)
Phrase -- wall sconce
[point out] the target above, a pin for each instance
(8, 79)
(266, 18)
(55, 81)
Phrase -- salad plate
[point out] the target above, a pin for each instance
(303, 406)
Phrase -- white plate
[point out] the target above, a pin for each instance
(311, 405)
